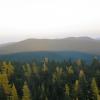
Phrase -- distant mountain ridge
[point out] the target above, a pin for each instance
(77, 44)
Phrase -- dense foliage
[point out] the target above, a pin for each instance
(50, 80)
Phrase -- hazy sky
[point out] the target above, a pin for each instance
(21, 19)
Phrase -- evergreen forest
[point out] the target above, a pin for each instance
(50, 80)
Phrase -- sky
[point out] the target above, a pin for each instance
(22, 19)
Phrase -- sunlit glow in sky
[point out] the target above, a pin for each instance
(21, 19)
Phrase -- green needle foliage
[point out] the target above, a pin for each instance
(50, 80)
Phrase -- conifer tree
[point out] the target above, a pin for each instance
(34, 69)
(81, 75)
(46, 60)
(4, 67)
(58, 72)
(45, 68)
(76, 89)
(70, 70)
(27, 70)
(95, 89)
(67, 89)
(5, 83)
(26, 92)
(14, 95)
(10, 69)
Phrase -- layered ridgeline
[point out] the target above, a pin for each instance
(79, 44)
(58, 49)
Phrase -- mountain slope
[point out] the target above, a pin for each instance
(81, 44)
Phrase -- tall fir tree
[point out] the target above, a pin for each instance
(14, 95)
(26, 92)
(95, 89)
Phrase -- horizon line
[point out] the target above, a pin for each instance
(51, 39)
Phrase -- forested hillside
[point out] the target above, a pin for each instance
(50, 80)
(57, 56)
